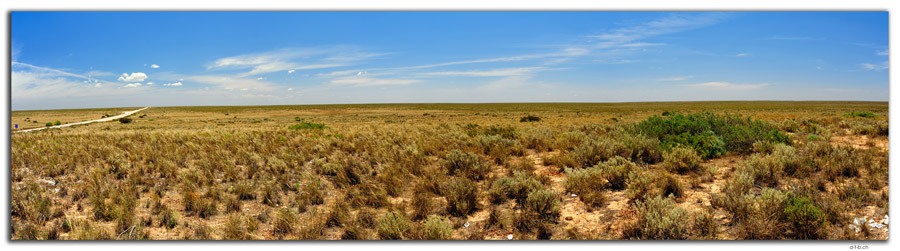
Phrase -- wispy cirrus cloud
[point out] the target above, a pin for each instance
(875, 67)
(679, 78)
(232, 83)
(368, 81)
(671, 24)
(489, 73)
(726, 86)
(291, 60)
(795, 38)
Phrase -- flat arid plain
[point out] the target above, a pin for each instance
(561, 171)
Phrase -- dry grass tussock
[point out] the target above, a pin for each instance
(732, 170)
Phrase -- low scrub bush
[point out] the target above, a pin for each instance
(805, 218)
(544, 203)
(462, 196)
(681, 160)
(860, 115)
(842, 162)
(308, 126)
(393, 226)
(437, 228)
(530, 118)
(583, 180)
(659, 219)
(466, 164)
(516, 187)
(499, 149)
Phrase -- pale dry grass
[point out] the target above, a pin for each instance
(211, 153)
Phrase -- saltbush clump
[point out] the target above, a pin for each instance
(530, 118)
(437, 228)
(516, 187)
(462, 196)
(392, 226)
(466, 164)
(308, 126)
(659, 219)
(681, 160)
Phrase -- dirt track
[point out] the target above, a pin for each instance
(124, 114)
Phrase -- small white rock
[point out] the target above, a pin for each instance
(509, 237)
(574, 195)
(886, 220)
(466, 225)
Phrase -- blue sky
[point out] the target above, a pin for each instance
(64, 60)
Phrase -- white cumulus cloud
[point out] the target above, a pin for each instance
(173, 84)
(154, 66)
(132, 85)
(134, 77)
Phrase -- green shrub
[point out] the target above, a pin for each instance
(530, 118)
(437, 228)
(49, 124)
(806, 219)
(860, 115)
(57, 123)
(681, 160)
(711, 135)
(392, 226)
(308, 126)
(507, 132)
(462, 196)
